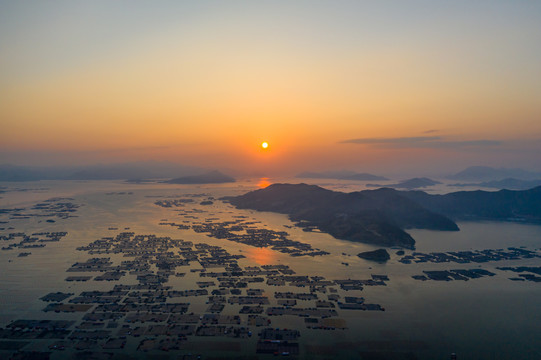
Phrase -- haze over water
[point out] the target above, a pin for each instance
(487, 318)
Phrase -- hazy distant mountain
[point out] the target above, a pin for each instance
(213, 177)
(135, 170)
(376, 216)
(519, 205)
(485, 173)
(509, 183)
(109, 173)
(364, 177)
(19, 173)
(341, 175)
(410, 184)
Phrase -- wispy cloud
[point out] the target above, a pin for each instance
(399, 140)
(423, 142)
(469, 143)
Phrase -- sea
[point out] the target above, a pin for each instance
(491, 317)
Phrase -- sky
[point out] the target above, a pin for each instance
(380, 86)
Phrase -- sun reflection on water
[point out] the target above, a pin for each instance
(263, 183)
(261, 256)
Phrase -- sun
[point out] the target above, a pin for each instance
(264, 145)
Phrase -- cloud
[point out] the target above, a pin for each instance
(434, 142)
(469, 143)
(400, 140)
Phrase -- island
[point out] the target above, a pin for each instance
(381, 216)
(508, 183)
(379, 255)
(372, 216)
(410, 184)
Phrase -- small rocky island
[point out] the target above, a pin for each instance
(379, 255)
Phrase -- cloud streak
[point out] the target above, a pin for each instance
(434, 142)
(399, 140)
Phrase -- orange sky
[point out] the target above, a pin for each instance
(205, 84)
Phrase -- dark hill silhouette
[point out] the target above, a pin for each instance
(377, 216)
(380, 216)
(523, 205)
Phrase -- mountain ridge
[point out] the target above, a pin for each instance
(381, 216)
(372, 216)
(487, 173)
(410, 184)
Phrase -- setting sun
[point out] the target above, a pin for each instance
(265, 145)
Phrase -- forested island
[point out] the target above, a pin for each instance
(381, 216)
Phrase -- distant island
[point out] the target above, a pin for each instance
(341, 175)
(380, 216)
(139, 181)
(410, 184)
(509, 183)
(213, 177)
(486, 173)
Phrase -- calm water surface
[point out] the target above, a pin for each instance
(487, 318)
